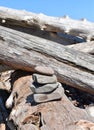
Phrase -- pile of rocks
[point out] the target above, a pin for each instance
(45, 86)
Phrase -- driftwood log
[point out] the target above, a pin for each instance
(81, 28)
(87, 47)
(54, 115)
(24, 51)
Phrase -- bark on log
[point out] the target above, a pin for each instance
(87, 47)
(83, 28)
(23, 51)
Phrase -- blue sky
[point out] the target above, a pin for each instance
(76, 9)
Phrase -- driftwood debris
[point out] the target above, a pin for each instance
(87, 47)
(24, 51)
(54, 115)
(65, 24)
(32, 42)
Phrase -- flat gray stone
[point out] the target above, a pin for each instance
(44, 70)
(44, 79)
(48, 88)
(55, 95)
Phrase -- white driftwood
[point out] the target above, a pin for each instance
(23, 51)
(19, 40)
(87, 47)
(80, 28)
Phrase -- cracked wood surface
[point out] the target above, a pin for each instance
(45, 47)
(82, 28)
(87, 47)
(24, 51)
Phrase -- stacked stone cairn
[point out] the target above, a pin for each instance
(45, 86)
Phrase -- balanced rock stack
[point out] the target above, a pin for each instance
(45, 86)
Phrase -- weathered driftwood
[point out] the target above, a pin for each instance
(4, 85)
(62, 38)
(32, 43)
(54, 115)
(80, 28)
(87, 47)
(23, 51)
(22, 110)
(4, 68)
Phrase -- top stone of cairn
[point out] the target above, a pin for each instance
(44, 70)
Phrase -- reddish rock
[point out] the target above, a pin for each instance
(44, 70)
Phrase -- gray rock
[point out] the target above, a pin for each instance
(44, 79)
(48, 88)
(44, 70)
(55, 95)
(33, 88)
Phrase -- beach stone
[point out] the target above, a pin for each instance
(55, 95)
(44, 79)
(47, 88)
(44, 70)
